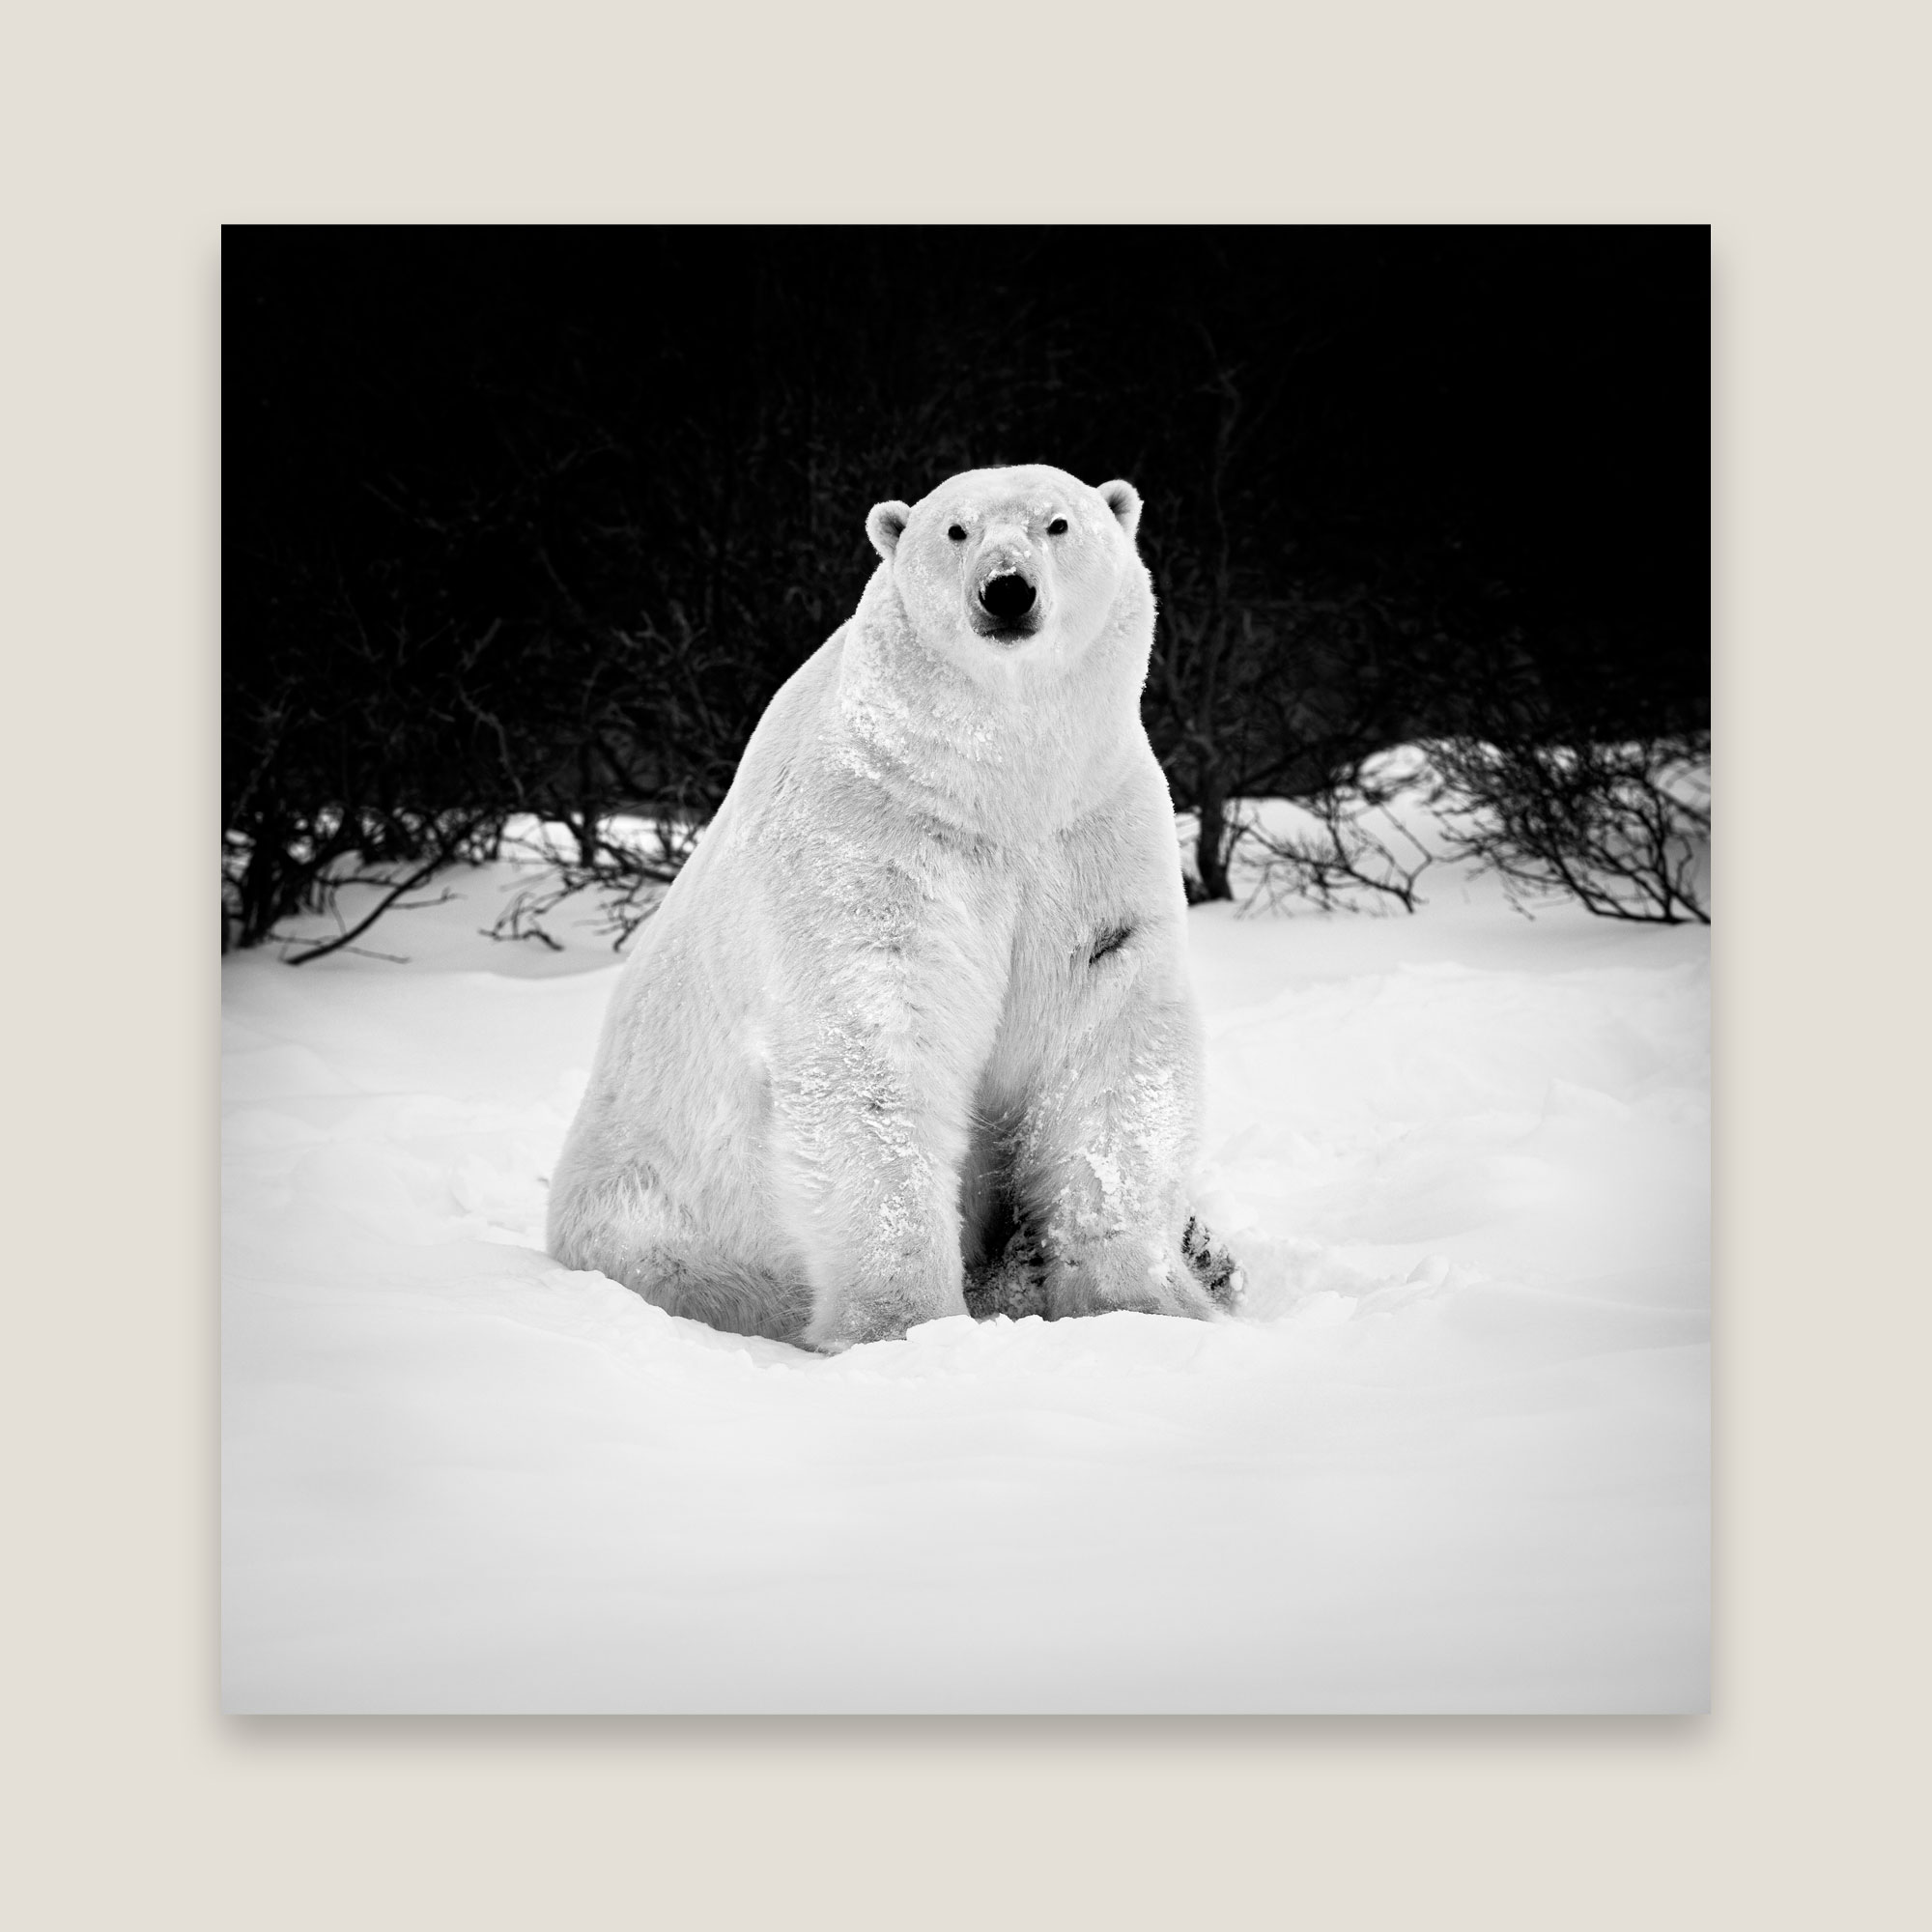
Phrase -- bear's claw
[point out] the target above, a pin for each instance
(1214, 1268)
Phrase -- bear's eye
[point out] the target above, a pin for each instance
(1058, 527)
(957, 535)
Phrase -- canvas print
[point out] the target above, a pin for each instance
(965, 970)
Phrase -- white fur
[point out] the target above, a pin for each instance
(867, 1013)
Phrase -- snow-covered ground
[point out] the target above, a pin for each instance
(1455, 1457)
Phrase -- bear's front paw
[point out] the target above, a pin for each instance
(1142, 1275)
(1013, 1284)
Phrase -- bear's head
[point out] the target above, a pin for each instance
(1015, 563)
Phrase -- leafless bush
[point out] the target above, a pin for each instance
(1622, 827)
(1351, 850)
(313, 864)
(626, 873)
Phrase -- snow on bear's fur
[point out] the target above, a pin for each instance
(915, 1019)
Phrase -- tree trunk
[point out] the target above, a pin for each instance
(1210, 847)
(585, 824)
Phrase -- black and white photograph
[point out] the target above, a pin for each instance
(965, 970)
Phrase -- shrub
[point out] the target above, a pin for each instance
(1622, 827)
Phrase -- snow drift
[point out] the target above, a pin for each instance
(1454, 1457)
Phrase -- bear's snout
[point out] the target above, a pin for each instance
(1007, 597)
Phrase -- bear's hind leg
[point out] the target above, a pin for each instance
(619, 1219)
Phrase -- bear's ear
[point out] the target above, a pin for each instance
(1125, 500)
(884, 522)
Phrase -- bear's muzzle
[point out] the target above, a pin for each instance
(1006, 603)
(1007, 597)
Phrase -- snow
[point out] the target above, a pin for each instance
(1453, 1458)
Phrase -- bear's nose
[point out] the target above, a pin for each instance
(1007, 597)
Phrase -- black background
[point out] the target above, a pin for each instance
(492, 495)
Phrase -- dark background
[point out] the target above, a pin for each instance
(536, 520)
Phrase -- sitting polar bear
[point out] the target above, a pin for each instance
(916, 1016)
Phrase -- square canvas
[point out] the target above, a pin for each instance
(966, 971)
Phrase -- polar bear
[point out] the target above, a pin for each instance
(916, 1015)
